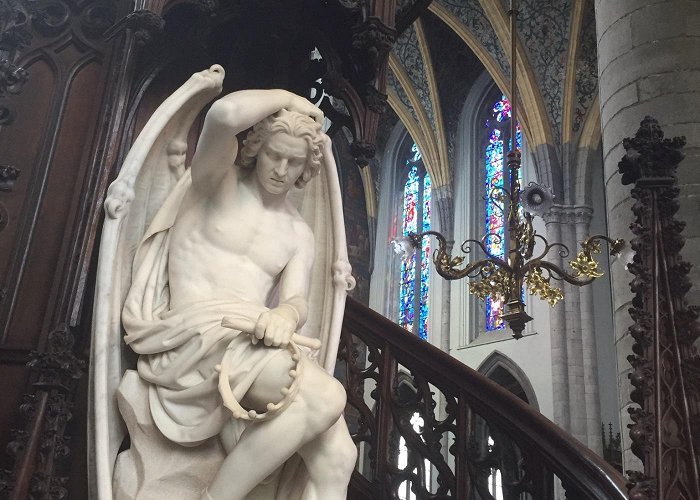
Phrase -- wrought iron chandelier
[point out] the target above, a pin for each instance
(520, 268)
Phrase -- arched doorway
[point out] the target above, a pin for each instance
(496, 472)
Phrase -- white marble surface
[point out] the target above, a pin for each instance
(212, 241)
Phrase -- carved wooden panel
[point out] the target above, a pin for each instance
(47, 132)
(14, 379)
(53, 114)
(54, 180)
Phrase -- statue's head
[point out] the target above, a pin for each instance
(273, 129)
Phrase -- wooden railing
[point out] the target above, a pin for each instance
(427, 423)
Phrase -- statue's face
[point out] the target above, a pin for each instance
(280, 162)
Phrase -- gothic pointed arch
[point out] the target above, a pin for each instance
(506, 373)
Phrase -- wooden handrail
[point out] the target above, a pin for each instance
(544, 448)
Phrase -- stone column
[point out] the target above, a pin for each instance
(589, 349)
(443, 204)
(557, 322)
(649, 64)
(574, 356)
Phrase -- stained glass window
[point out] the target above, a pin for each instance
(495, 173)
(415, 270)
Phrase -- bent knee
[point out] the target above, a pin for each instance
(346, 454)
(326, 401)
(333, 399)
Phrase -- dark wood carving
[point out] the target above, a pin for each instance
(356, 63)
(664, 429)
(404, 390)
(612, 446)
(40, 448)
(15, 35)
(54, 141)
(8, 176)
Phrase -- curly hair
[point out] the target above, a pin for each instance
(294, 124)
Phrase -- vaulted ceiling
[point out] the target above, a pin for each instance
(437, 58)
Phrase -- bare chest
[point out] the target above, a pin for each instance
(243, 239)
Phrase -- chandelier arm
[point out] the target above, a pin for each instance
(558, 273)
(483, 245)
(498, 199)
(564, 252)
(615, 245)
(480, 266)
(447, 266)
(497, 261)
(555, 277)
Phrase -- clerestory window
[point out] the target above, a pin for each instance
(415, 270)
(497, 144)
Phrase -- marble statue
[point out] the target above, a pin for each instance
(219, 276)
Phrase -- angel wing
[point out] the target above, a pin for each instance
(150, 170)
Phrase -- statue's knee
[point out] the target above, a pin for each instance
(346, 452)
(327, 402)
(335, 399)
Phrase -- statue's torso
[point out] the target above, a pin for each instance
(235, 249)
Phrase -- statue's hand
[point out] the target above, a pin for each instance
(276, 326)
(305, 107)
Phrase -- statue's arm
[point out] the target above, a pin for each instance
(217, 146)
(276, 326)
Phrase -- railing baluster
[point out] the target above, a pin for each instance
(386, 382)
(460, 445)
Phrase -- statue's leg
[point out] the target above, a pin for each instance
(330, 460)
(266, 445)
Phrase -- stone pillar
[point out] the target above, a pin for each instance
(649, 64)
(574, 356)
(557, 321)
(443, 204)
(589, 349)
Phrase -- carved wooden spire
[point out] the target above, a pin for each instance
(666, 365)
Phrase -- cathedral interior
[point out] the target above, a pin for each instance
(598, 398)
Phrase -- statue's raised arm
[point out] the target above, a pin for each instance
(184, 248)
(230, 116)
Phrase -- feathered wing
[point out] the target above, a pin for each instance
(151, 169)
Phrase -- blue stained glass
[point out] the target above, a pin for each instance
(494, 182)
(416, 153)
(495, 221)
(494, 164)
(408, 267)
(425, 260)
(417, 195)
(518, 138)
(501, 110)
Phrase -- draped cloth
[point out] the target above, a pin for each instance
(180, 348)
